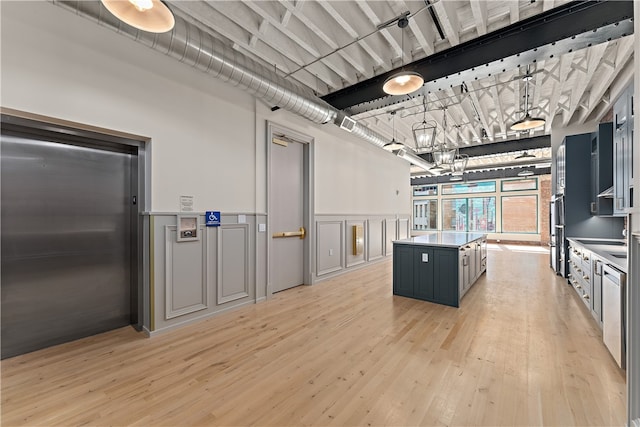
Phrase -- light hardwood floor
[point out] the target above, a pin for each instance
(521, 350)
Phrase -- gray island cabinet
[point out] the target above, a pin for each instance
(438, 267)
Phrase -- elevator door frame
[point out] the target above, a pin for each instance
(73, 133)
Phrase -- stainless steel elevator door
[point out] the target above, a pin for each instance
(66, 242)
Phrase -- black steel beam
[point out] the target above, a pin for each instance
(542, 141)
(478, 176)
(561, 23)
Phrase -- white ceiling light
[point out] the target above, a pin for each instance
(527, 122)
(403, 82)
(147, 15)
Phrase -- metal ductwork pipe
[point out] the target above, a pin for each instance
(189, 44)
(192, 46)
(415, 160)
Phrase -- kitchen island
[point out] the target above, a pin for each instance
(438, 267)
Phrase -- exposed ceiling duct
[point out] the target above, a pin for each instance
(189, 44)
(194, 47)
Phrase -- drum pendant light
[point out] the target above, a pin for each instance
(152, 16)
(527, 122)
(403, 82)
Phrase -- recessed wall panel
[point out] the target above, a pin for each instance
(233, 262)
(329, 246)
(375, 239)
(186, 276)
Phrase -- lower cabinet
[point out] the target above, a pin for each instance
(585, 276)
(436, 274)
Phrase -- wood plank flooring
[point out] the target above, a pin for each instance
(521, 350)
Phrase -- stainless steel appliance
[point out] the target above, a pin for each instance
(613, 312)
(557, 235)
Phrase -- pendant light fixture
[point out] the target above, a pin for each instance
(527, 122)
(424, 133)
(525, 155)
(403, 82)
(442, 155)
(393, 145)
(152, 16)
(460, 161)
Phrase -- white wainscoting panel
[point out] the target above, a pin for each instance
(233, 262)
(403, 228)
(390, 235)
(329, 240)
(185, 274)
(375, 239)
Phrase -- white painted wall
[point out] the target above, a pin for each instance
(208, 138)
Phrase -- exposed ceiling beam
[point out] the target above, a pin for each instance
(577, 91)
(623, 55)
(531, 143)
(479, 10)
(492, 51)
(477, 176)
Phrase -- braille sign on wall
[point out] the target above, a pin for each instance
(212, 218)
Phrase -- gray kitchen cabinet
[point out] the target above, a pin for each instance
(623, 153)
(580, 273)
(438, 267)
(426, 273)
(602, 170)
(577, 198)
(463, 271)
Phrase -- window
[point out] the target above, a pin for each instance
(425, 190)
(520, 214)
(425, 214)
(520, 184)
(482, 214)
(469, 187)
(454, 214)
(472, 214)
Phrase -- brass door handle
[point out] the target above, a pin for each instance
(300, 233)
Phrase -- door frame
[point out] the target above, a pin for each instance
(100, 138)
(308, 145)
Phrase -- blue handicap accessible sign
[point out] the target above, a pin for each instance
(212, 218)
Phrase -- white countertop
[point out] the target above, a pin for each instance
(613, 251)
(442, 238)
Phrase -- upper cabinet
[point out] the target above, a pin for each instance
(623, 153)
(602, 170)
